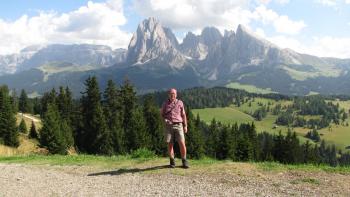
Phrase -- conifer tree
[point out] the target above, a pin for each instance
(212, 141)
(195, 139)
(22, 126)
(128, 103)
(138, 136)
(322, 152)
(23, 103)
(48, 98)
(279, 148)
(14, 101)
(113, 113)
(332, 156)
(307, 152)
(52, 133)
(154, 125)
(94, 134)
(266, 146)
(32, 132)
(62, 103)
(8, 129)
(227, 145)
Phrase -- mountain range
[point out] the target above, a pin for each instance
(155, 60)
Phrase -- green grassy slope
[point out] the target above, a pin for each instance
(338, 134)
(249, 88)
(227, 115)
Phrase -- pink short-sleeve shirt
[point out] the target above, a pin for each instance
(173, 110)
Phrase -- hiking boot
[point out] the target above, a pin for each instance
(172, 162)
(185, 163)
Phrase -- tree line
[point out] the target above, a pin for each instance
(117, 121)
(200, 97)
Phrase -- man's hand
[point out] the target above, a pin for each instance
(185, 129)
(168, 122)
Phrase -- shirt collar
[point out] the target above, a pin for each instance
(169, 101)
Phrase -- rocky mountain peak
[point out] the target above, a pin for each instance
(210, 36)
(153, 41)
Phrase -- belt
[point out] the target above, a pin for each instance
(177, 122)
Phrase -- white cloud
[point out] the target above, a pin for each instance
(95, 23)
(325, 46)
(269, 1)
(223, 14)
(260, 32)
(281, 23)
(189, 14)
(328, 46)
(347, 1)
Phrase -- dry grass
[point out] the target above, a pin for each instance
(27, 146)
(28, 120)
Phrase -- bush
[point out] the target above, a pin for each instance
(143, 153)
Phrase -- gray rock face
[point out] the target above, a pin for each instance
(154, 42)
(9, 63)
(32, 57)
(84, 54)
(245, 48)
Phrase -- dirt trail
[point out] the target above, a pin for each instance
(44, 180)
(34, 119)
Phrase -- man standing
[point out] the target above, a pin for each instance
(174, 115)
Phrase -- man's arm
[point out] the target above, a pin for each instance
(162, 111)
(184, 118)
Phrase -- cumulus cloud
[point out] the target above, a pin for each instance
(224, 14)
(95, 23)
(281, 23)
(188, 14)
(325, 46)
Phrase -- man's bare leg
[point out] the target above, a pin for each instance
(171, 150)
(171, 154)
(183, 153)
(182, 149)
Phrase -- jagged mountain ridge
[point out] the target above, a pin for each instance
(97, 56)
(156, 60)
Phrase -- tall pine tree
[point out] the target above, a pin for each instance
(23, 103)
(22, 126)
(113, 113)
(128, 103)
(154, 125)
(32, 131)
(95, 136)
(52, 133)
(195, 139)
(8, 129)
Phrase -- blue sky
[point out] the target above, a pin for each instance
(317, 27)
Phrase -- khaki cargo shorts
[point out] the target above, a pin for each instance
(174, 132)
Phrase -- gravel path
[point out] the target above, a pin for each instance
(43, 180)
